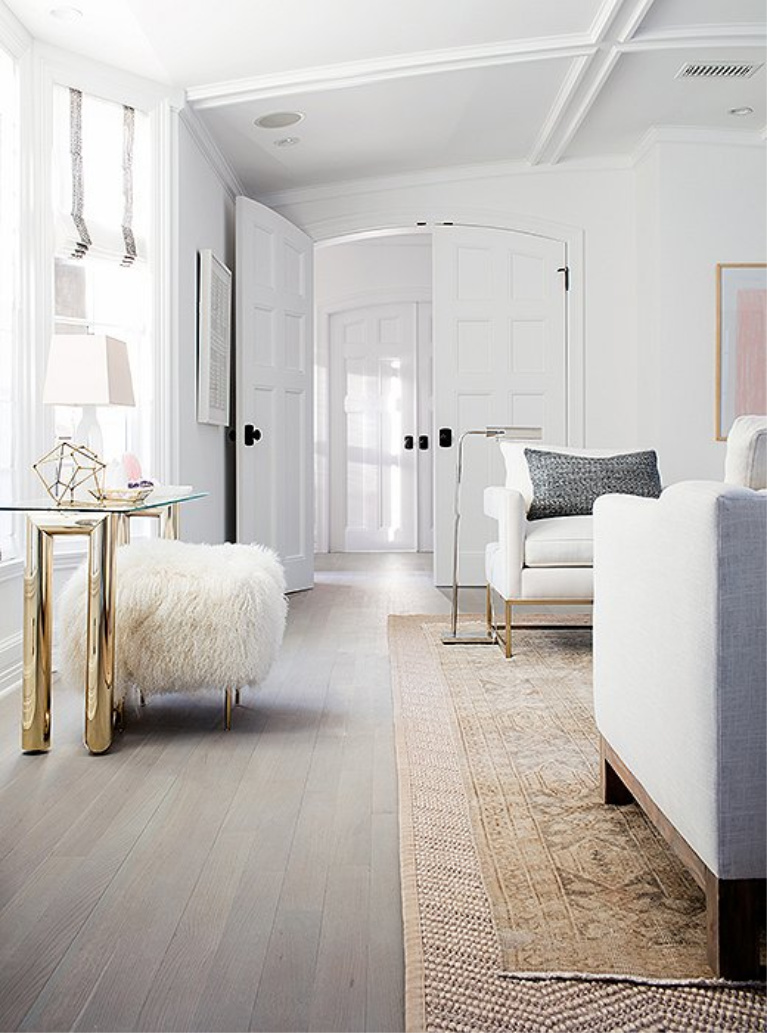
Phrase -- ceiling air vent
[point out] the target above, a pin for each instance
(721, 70)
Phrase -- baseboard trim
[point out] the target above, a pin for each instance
(11, 663)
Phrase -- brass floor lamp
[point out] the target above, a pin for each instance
(452, 638)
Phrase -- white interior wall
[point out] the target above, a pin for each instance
(348, 275)
(205, 220)
(697, 205)
(599, 202)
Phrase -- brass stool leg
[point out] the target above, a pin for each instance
(228, 709)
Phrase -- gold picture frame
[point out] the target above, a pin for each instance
(741, 342)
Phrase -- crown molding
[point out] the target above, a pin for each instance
(13, 35)
(358, 73)
(431, 177)
(696, 135)
(212, 152)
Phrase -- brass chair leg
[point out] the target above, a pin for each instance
(228, 709)
(489, 611)
(507, 650)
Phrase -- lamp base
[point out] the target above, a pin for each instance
(88, 431)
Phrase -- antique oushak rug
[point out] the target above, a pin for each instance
(528, 904)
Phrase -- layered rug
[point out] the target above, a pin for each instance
(528, 904)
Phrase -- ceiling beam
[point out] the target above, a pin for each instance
(553, 138)
(359, 73)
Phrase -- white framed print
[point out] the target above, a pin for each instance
(214, 340)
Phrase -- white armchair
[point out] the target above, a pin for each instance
(680, 676)
(539, 562)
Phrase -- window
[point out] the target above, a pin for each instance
(102, 277)
(9, 243)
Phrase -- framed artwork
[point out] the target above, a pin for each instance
(741, 342)
(214, 341)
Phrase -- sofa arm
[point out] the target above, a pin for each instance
(679, 668)
(506, 558)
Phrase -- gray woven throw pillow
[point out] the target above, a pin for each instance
(567, 485)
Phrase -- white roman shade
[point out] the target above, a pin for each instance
(100, 155)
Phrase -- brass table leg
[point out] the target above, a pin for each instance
(169, 522)
(38, 615)
(100, 668)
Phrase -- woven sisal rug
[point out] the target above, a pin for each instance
(528, 904)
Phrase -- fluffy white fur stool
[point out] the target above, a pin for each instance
(189, 618)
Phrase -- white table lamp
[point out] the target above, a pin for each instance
(88, 370)
(453, 637)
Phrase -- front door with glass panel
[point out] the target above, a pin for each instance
(374, 433)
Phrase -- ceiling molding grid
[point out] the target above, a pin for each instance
(560, 130)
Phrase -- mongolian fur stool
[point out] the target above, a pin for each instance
(190, 618)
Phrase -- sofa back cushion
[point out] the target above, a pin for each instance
(570, 485)
(746, 458)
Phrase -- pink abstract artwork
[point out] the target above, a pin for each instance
(741, 343)
(751, 352)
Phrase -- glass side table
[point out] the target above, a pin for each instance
(106, 526)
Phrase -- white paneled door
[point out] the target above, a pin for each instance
(274, 388)
(500, 359)
(378, 447)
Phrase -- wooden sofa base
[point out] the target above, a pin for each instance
(735, 908)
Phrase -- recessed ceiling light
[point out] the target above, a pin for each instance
(66, 14)
(741, 111)
(287, 141)
(278, 119)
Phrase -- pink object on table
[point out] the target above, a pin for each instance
(131, 466)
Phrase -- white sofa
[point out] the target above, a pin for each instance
(535, 562)
(680, 679)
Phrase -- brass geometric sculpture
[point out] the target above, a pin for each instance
(72, 474)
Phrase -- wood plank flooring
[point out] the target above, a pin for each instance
(192, 879)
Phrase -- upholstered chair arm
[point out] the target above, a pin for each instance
(507, 506)
(679, 660)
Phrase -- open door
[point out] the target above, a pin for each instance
(499, 360)
(275, 479)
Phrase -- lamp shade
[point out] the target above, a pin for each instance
(88, 369)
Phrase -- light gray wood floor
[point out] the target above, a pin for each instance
(192, 879)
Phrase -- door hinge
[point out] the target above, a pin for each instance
(566, 270)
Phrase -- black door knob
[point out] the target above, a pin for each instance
(252, 434)
(423, 442)
(408, 442)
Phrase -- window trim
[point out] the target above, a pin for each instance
(53, 66)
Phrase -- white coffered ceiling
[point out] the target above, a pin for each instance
(406, 85)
